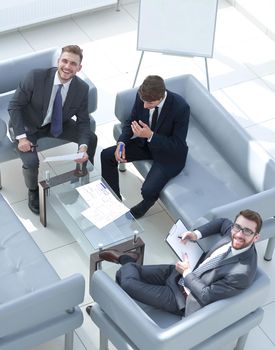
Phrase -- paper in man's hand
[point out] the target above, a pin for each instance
(191, 248)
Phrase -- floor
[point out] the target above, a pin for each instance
(242, 78)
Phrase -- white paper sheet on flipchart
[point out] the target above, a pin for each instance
(72, 156)
(192, 249)
(104, 208)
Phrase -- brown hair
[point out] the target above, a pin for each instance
(152, 89)
(253, 216)
(73, 49)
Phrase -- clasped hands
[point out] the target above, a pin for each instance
(183, 266)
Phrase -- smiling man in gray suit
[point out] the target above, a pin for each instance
(46, 95)
(228, 268)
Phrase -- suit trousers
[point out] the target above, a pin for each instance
(154, 285)
(136, 149)
(30, 159)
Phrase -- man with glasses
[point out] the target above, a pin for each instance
(225, 270)
(157, 130)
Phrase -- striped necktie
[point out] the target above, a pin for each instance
(211, 264)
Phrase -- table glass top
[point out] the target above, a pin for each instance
(69, 204)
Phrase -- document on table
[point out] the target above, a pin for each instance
(73, 156)
(191, 248)
(104, 208)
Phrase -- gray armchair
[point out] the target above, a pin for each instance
(12, 72)
(226, 170)
(224, 324)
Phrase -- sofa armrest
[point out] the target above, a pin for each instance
(41, 305)
(124, 104)
(124, 313)
(264, 202)
(92, 93)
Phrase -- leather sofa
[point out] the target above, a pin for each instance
(226, 170)
(35, 304)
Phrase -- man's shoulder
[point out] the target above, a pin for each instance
(80, 83)
(43, 71)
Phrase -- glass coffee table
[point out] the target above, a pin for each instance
(60, 192)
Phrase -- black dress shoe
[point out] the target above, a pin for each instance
(33, 202)
(118, 257)
(88, 310)
(141, 208)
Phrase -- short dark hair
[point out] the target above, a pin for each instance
(253, 216)
(73, 49)
(152, 89)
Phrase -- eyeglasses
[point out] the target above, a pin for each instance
(246, 231)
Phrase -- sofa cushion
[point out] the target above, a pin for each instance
(24, 268)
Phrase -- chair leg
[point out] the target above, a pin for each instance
(103, 341)
(69, 341)
(269, 249)
(241, 342)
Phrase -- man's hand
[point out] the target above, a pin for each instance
(85, 156)
(120, 153)
(183, 267)
(141, 129)
(25, 145)
(188, 236)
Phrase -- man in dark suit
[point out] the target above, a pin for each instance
(228, 268)
(46, 95)
(157, 130)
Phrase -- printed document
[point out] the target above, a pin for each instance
(191, 248)
(104, 208)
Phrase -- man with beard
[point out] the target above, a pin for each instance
(44, 105)
(225, 270)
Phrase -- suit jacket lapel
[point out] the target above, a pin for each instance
(70, 96)
(164, 111)
(48, 90)
(220, 243)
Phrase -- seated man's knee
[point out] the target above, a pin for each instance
(107, 154)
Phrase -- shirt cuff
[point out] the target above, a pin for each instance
(150, 138)
(198, 234)
(22, 136)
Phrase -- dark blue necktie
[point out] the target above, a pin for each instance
(154, 119)
(56, 122)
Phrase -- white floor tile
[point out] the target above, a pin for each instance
(267, 324)
(13, 45)
(57, 34)
(58, 344)
(102, 24)
(68, 260)
(254, 99)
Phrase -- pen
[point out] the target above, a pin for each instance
(102, 185)
(120, 149)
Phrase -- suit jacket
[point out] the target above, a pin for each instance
(29, 105)
(228, 279)
(168, 146)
